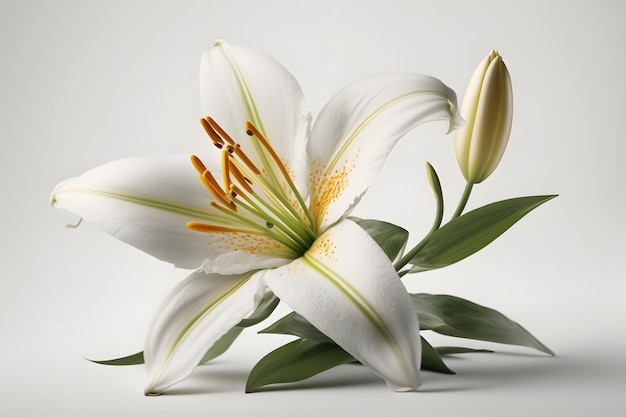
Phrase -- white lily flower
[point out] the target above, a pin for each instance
(280, 190)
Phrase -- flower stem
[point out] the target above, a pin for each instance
(436, 185)
(464, 197)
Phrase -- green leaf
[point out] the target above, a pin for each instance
(222, 344)
(263, 311)
(135, 359)
(469, 233)
(391, 238)
(295, 361)
(453, 316)
(453, 350)
(431, 359)
(296, 325)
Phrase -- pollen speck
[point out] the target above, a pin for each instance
(325, 247)
(328, 185)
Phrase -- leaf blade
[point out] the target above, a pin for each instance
(221, 345)
(294, 362)
(471, 232)
(134, 359)
(431, 359)
(454, 316)
(391, 238)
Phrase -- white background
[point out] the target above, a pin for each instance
(82, 83)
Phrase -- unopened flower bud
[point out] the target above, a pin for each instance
(488, 112)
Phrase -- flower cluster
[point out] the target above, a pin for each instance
(262, 216)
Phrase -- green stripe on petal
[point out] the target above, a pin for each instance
(347, 288)
(197, 313)
(168, 206)
(357, 129)
(355, 297)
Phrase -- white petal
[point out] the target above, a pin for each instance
(346, 287)
(238, 84)
(358, 128)
(147, 203)
(192, 318)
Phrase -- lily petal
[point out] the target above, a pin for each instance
(147, 203)
(346, 287)
(237, 85)
(192, 318)
(357, 129)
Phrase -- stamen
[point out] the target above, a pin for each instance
(197, 164)
(210, 228)
(240, 178)
(211, 184)
(226, 170)
(251, 130)
(231, 205)
(244, 158)
(219, 130)
(217, 140)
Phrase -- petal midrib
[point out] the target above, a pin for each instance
(359, 302)
(198, 318)
(190, 212)
(253, 112)
(348, 141)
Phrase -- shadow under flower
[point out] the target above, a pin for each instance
(473, 372)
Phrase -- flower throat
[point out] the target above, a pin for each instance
(251, 196)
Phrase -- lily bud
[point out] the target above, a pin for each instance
(488, 112)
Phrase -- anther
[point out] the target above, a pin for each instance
(243, 181)
(244, 158)
(217, 140)
(210, 228)
(219, 130)
(211, 184)
(197, 164)
(226, 170)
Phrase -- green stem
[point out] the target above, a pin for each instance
(438, 217)
(464, 197)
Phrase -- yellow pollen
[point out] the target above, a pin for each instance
(263, 220)
(217, 140)
(240, 178)
(219, 130)
(210, 228)
(244, 158)
(211, 184)
(197, 164)
(226, 170)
